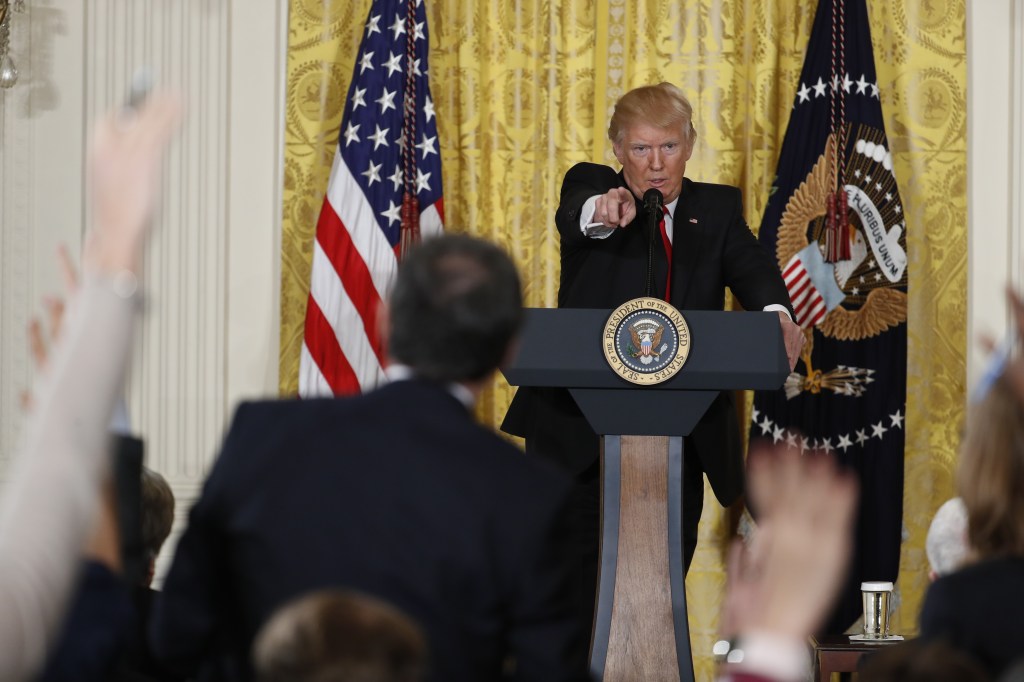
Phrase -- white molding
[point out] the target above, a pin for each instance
(212, 272)
(41, 155)
(254, 196)
(1017, 148)
(176, 392)
(995, 176)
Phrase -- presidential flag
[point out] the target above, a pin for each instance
(384, 193)
(835, 222)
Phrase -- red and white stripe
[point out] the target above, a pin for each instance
(354, 267)
(808, 303)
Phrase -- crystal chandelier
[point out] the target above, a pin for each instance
(8, 71)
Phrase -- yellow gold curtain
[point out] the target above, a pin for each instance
(523, 90)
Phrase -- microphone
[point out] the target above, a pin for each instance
(653, 203)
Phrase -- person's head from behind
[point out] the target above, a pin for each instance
(921, 661)
(991, 475)
(652, 135)
(157, 517)
(339, 636)
(455, 309)
(946, 544)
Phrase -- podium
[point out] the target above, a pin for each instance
(640, 624)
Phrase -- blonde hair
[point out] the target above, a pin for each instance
(662, 105)
(991, 474)
(946, 542)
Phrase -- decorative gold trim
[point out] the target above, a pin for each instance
(671, 319)
(807, 203)
(883, 308)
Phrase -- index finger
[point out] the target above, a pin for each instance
(627, 206)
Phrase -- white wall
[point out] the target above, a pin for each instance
(212, 273)
(995, 165)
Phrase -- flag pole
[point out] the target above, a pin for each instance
(410, 230)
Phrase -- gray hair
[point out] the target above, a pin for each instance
(946, 544)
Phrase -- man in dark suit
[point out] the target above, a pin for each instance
(703, 247)
(398, 493)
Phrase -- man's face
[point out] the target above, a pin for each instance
(654, 157)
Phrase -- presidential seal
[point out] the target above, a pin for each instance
(646, 341)
(857, 297)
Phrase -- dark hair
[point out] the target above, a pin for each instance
(339, 636)
(921, 661)
(455, 308)
(157, 512)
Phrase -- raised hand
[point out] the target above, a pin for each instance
(125, 162)
(785, 581)
(40, 341)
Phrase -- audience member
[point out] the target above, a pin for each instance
(978, 607)
(339, 636)
(781, 585)
(1015, 673)
(50, 501)
(1014, 371)
(99, 622)
(157, 518)
(398, 493)
(946, 544)
(103, 636)
(921, 661)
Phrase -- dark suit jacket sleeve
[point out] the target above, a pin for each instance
(545, 637)
(195, 602)
(750, 271)
(583, 181)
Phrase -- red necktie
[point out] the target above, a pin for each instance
(668, 253)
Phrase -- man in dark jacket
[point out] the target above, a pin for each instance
(703, 247)
(398, 493)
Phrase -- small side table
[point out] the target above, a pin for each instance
(838, 654)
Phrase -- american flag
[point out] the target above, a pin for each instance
(387, 150)
(808, 304)
(812, 286)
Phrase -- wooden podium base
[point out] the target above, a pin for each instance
(640, 626)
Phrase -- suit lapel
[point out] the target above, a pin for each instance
(686, 238)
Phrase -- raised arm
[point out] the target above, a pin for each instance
(592, 193)
(50, 501)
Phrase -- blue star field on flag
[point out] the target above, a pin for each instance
(372, 124)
